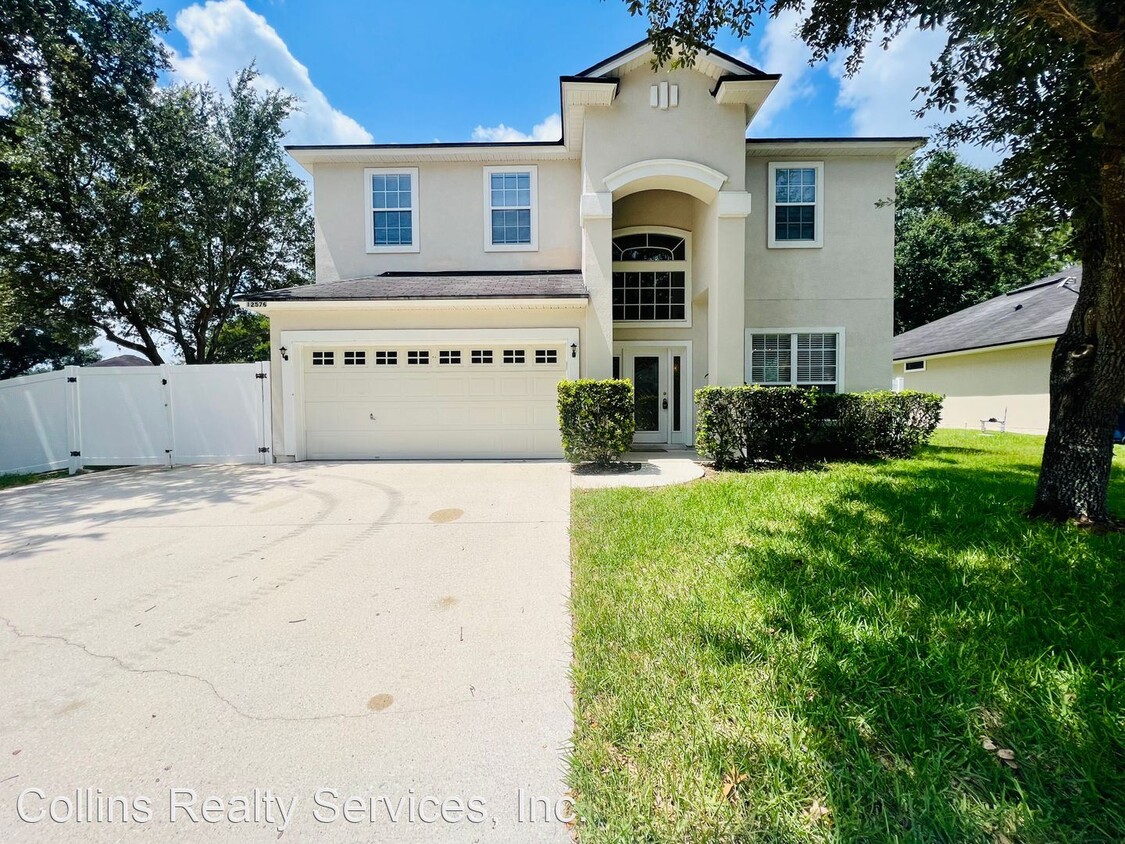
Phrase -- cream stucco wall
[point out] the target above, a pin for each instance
(982, 385)
(631, 130)
(738, 283)
(451, 216)
(848, 282)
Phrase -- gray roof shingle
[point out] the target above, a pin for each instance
(1038, 311)
(546, 284)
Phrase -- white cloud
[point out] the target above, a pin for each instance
(880, 96)
(223, 36)
(742, 53)
(785, 53)
(549, 130)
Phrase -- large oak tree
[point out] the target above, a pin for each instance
(1045, 81)
(92, 66)
(150, 241)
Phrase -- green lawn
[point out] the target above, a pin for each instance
(839, 646)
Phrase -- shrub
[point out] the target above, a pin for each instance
(878, 424)
(739, 426)
(596, 420)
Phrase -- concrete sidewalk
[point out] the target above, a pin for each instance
(657, 468)
(397, 633)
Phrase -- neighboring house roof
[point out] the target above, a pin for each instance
(545, 284)
(123, 360)
(1039, 311)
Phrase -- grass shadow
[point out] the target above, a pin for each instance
(850, 638)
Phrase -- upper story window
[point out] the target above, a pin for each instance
(795, 358)
(651, 277)
(392, 209)
(796, 200)
(511, 209)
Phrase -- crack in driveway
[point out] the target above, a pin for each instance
(472, 698)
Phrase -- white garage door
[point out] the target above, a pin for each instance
(492, 399)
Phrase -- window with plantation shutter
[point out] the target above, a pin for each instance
(797, 359)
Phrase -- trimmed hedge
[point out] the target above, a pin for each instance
(742, 426)
(878, 424)
(738, 426)
(596, 420)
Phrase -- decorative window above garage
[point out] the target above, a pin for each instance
(651, 277)
(511, 201)
(392, 209)
(796, 204)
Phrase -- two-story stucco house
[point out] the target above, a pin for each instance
(457, 283)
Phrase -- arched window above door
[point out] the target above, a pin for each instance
(649, 246)
(651, 277)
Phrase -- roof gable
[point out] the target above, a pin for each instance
(710, 62)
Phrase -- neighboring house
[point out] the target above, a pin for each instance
(123, 360)
(457, 283)
(992, 361)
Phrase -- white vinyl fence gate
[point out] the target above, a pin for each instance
(135, 416)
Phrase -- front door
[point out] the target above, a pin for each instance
(658, 374)
(647, 368)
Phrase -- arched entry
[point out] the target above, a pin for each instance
(676, 174)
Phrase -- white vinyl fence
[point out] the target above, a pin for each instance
(133, 416)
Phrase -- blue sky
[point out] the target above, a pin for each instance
(488, 70)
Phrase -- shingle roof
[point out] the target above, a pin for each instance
(546, 284)
(1038, 311)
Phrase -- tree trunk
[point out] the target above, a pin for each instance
(1088, 364)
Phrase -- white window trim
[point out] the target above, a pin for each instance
(489, 246)
(841, 345)
(818, 214)
(647, 266)
(907, 364)
(415, 216)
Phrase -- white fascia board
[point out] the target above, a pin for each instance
(749, 93)
(380, 156)
(1001, 347)
(706, 62)
(393, 336)
(570, 303)
(827, 148)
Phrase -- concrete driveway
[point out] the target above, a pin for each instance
(282, 639)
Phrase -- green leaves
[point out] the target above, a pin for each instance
(739, 427)
(596, 419)
(150, 238)
(961, 238)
